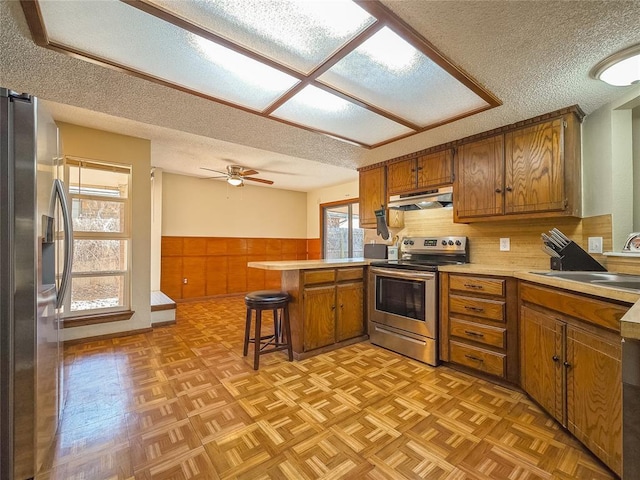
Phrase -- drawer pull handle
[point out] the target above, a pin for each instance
(473, 334)
(471, 357)
(471, 285)
(474, 309)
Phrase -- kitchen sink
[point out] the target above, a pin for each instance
(605, 279)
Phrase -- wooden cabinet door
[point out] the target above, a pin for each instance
(479, 179)
(435, 170)
(350, 310)
(534, 168)
(194, 270)
(372, 193)
(171, 277)
(594, 393)
(319, 317)
(541, 359)
(401, 177)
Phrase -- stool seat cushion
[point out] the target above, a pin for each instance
(267, 297)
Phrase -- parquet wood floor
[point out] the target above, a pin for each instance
(181, 402)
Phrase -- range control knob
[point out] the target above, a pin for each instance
(458, 242)
(444, 242)
(450, 242)
(410, 242)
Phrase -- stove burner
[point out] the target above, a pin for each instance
(427, 253)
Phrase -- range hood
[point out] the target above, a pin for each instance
(438, 198)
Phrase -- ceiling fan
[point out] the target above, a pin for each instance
(236, 175)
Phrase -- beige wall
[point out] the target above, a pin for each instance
(156, 227)
(99, 145)
(344, 191)
(195, 207)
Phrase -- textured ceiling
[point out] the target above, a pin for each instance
(535, 56)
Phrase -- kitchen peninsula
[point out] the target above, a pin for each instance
(327, 308)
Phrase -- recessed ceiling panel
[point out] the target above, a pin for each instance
(388, 72)
(294, 33)
(321, 110)
(125, 36)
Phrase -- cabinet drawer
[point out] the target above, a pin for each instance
(477, 332)
(473, 357)
(490, 309)
(487, 286)
(349, 274)
(319, 276)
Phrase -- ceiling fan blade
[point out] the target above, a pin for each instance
(210, 178)
(261, 180)
(244, 173)
(212, 170)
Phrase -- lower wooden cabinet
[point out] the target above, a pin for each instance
(478, 323)
(327, 307)
(571, 365)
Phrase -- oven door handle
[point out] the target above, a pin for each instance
(396, 272)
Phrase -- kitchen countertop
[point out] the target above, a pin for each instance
(528, 274)
(285, 265)
(629, 324)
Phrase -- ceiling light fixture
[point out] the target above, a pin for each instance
(235, 180)
(620, 69)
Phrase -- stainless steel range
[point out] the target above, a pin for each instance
(403, 295)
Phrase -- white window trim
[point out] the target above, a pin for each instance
(79, 235)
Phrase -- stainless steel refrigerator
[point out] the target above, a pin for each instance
(35, 264)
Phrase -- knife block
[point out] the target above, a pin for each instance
(573, 257)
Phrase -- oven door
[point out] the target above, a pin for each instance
(404, 299)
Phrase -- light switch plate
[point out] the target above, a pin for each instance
(595, 245)
(505, 244)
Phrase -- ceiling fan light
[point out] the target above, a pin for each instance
(235, 180)
(620, 69)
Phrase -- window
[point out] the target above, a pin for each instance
(342, 236)
(101, 215)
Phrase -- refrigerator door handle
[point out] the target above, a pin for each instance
(59, 192)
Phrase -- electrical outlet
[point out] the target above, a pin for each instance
(595, 245)
(505, 244)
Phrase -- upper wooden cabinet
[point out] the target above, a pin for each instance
(479, 179)
(420, 173)
(373, 195)
(532, 171)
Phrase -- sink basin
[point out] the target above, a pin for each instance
(605, 279)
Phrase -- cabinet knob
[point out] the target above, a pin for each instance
(555, 358)
(567, 364)
(509, 189)
(498, 190)
(333, 307)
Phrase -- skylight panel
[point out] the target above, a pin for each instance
(128, 37)
(321, 110)
(390, 73)
(299, 34)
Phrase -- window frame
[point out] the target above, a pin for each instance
(124, 235)
(339, 203)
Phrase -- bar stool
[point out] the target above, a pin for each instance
(268, 300)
